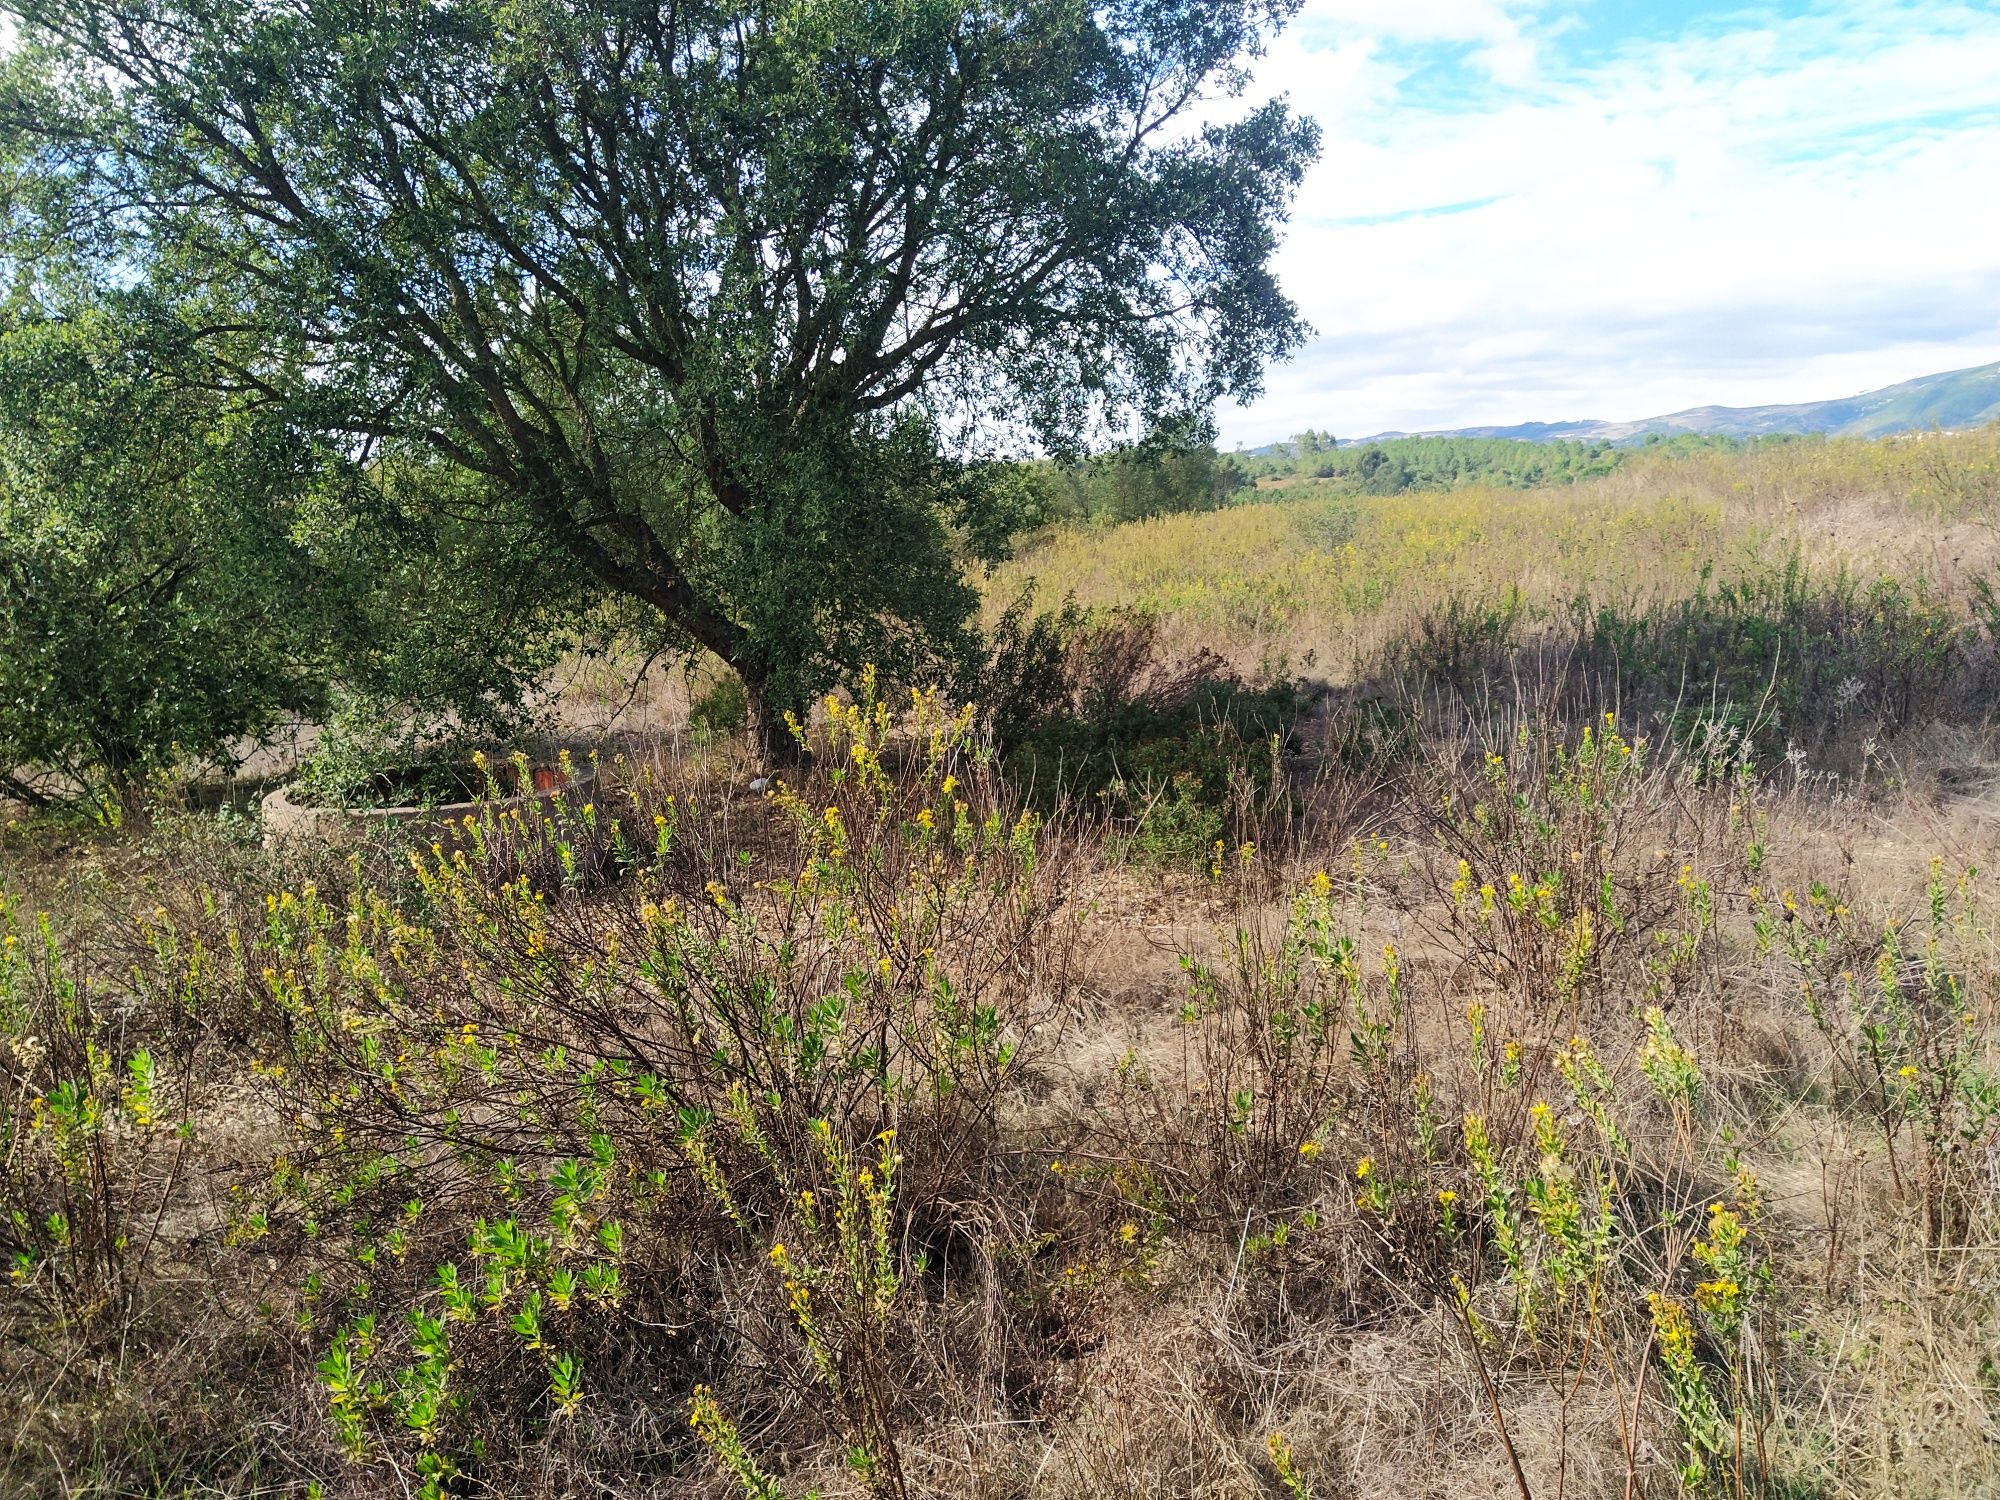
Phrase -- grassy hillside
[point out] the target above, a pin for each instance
(1962, 398)
(1554, 1051)
(1952, 399)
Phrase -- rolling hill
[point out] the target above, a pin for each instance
(1955, 398)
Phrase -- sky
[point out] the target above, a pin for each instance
(1539, 210)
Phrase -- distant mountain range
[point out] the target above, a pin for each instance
(1957, 398)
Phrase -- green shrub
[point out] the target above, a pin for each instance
(1085, 705)
(1177, 826)
(766, 1099)
(721, 711)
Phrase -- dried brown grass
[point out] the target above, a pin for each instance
(1192, 1280)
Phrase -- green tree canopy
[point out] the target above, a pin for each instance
(153, 604)
(1172, 470)
(180, 573)
(717, 297)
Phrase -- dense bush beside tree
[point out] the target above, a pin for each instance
(1091, 706)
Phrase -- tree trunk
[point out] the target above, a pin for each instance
(775, 741)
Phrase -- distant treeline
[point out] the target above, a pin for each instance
(1440, 463)
(1394, 465)
(1163, 477)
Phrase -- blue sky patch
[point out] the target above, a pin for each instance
(1538, 211)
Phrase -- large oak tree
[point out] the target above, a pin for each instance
(719, 297)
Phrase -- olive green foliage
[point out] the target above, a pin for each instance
(1779, 661)
(370, 754)
(709, 297)
(1784, 658)
(154, 605)
(1134, 482)
(455, 613)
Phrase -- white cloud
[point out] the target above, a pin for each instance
(1760, 210)
(1492, 28)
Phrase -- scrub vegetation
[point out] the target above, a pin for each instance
(1437, 968)
(1550, 1052)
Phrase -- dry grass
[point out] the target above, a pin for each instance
(1330, 582)
(1182, 1197)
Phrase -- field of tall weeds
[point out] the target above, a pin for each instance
(1308, 579)
(1559, 1058)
